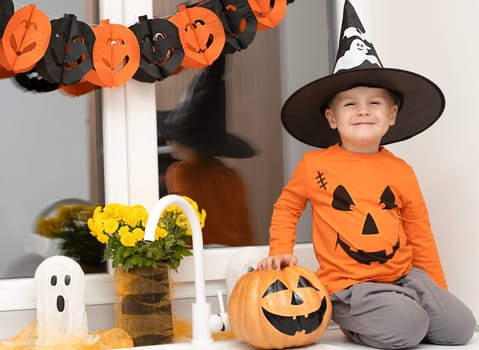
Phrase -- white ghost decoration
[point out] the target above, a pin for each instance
(60, 298)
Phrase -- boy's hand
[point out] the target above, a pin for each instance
(275, 262)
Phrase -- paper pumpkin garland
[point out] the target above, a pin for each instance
(116, 55)
(268, 13)
(160, 49)
(25, 39)
(69, 54)
(202, 36)
(239, 22)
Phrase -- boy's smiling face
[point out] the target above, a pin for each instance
(362, 115)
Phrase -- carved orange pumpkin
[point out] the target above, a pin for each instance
(202, 36)
(25, 39)
(268, 13)
(116, 55)
(160, 49)
(273, 309)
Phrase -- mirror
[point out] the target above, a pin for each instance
(255, 89)
(49, 152)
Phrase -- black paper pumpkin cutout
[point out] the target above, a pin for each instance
(69, 54)
(32, 81)
(6, 12)
(239, 22)
(160, 48)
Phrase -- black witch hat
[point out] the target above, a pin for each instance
(199, 120)
(421, 102)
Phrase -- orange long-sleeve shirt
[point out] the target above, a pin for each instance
(220, 191)
(370, 221)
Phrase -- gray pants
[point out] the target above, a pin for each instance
(402, 315)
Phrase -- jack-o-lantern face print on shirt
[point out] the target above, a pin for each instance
(362, 236)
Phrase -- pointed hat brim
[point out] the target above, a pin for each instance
(225, 145)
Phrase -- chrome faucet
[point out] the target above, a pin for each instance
(201, 310)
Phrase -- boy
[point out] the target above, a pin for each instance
(371, 231)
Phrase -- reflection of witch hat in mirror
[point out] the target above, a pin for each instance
(199, 120)
(421, 102)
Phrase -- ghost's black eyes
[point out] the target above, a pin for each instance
(67, 280)
(53, 281)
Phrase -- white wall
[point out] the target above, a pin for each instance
(438, 39)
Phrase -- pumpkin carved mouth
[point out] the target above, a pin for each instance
(367, 258)
(290, 325)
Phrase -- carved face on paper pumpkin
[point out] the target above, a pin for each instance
(25, 39)
(69, 54)
(201, 34)
(116, 54)
(239, 22)
(160, 49)
(368, 231)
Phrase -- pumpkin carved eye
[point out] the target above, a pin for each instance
(276, 286)
(304, 283)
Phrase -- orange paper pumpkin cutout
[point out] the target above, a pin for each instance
(268, 13)
(202, 36)
(5, 73)
(78, 89)
(116, 55)
(25, 39)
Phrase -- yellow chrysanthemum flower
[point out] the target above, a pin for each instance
(138, 233)
(102, 238)
(110, 226)
(124, 231)
(128, 239)
(160, 233)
